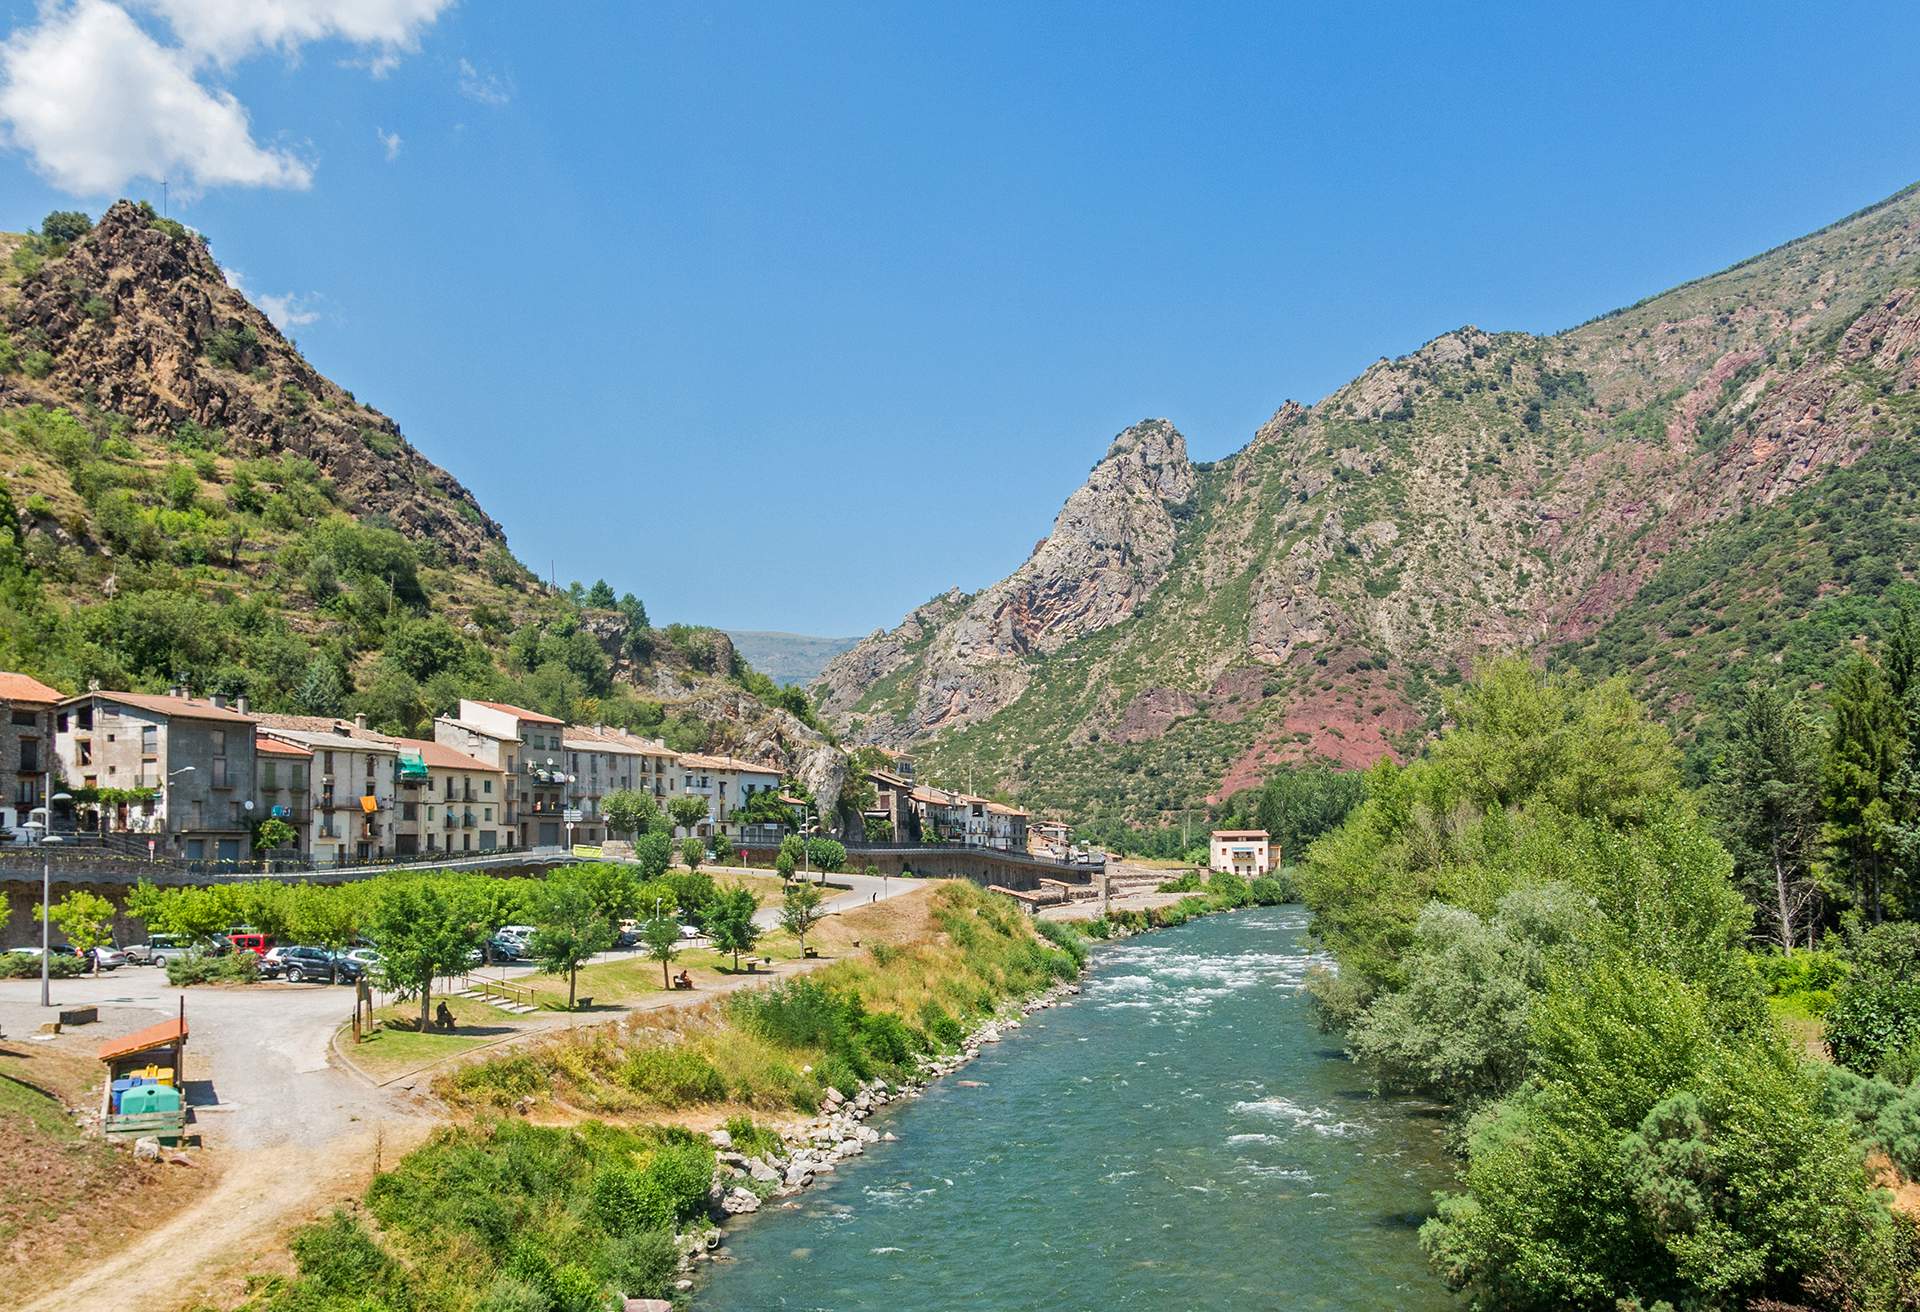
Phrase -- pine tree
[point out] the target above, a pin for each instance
(321, 690)
(1864, 755)
(1767, 788)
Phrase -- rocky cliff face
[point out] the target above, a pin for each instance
(967, 657)
(137, 319)
(1308, 595)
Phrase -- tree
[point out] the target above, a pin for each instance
(660, 938)
(424, 928)
(1767, 794)
(600, 595)
(569, 929)
(783, 863)
(85, 920)
(800, 910)
(612, 889)
(654, 853)
(687, 811)
(329, 917)
(691, 851)
(65, 226)
(694, 894)
(322, 691)
(629, 811)
(1867, 747)
(723, 850)
(273, 832)
(828, 854)
(730, 922)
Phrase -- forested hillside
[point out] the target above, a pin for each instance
(184, 498)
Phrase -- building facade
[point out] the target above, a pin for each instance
(530, 750)
(351, 785)
(601, 760)
(726, 783)
(193, 760)
(447, 801)
(26, 749)
(283, 788)
(1242, 852)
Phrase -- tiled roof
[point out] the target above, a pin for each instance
(439, 756)
(182, 708)
(327, 738)
(700, 762)
(507, 708)
(274, 747)
(599, 738)
(26, 688)
(1239, 833)
(153, 1036)
(305, 723)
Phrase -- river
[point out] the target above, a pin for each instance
(1179, 1138)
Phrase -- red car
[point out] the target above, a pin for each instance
(245, 940)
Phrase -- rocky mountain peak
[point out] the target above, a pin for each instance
(1151, 455)
(138, 320)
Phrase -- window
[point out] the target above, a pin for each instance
(85, 717)
(220, 779)
(487, 787)
(329, 760)
(218, 739)
(29, 756)
(269, 777)
(28, 718)
(488, 817)
(149, 740)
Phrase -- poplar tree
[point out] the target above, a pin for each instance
(1865, 752)
(1767, 794)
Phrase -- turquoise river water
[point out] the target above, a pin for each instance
(1181, 1138)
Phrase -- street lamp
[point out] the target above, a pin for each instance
(47, 836)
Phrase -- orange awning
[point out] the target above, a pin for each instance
(165, 1034)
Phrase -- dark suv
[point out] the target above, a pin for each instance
(299, 964)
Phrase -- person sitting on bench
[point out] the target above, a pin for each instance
(443, 1017)
(683, 980)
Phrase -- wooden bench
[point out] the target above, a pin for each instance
(162, 1125)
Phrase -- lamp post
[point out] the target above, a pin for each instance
(47, 836)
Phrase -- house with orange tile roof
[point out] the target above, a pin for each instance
(193, 758)
(529, 749)
(351, 785)
(26, 747)
(448, 801)
(1242, 852)
(726, 783)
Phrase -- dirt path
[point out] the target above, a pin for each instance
(206, 1251)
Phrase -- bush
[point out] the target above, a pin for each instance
(1186, 883)
(1804, 982)
(1066, 938)
(800, 1014)
(751, 1139)
(673, 1075)
(25, 965)
(1271, 891)
(340, 1257)
(196, 968)
(645, 1265)
(629, 1201)
(1876, 1009)
(886, 1039)
(1229, 890)
(940, 1026)
(498, 1083)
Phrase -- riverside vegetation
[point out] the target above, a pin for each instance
(495, 1214)
(1537, 923)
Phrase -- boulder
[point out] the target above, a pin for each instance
(720, 1139)
(147, 1149)
(740, 1201)
(759, 1170)
(799, 1176)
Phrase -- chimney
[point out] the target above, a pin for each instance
(177, 690)
(360, 720)
(218, 699)
(240, 703)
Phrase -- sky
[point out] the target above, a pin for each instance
(792, 316)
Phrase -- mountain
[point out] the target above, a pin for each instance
(1713, 481)
(789, 659)
(184, 497)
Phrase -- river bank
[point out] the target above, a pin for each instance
(1181, 1135)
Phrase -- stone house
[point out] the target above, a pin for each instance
(26, 747)
(449, 801)
(196, 758)
(1242, 852)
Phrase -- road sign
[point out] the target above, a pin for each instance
(573, 815)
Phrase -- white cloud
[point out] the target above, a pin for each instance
(486, 88)
(389, 142)
(227, 30)
(95, 101)
(292, 310)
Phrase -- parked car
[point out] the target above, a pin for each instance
(299, 964)
(247, 940)
(692, 931)
(502, 948)
(162, 948)
(107, 957)
(345, 969)
(365, 958)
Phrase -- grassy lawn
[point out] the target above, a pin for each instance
(394, 1051)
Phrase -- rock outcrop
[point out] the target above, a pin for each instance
(137, 319)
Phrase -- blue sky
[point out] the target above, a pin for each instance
(791, 316)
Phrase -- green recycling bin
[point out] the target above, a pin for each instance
(145, 1099)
